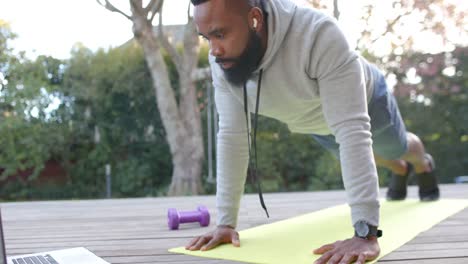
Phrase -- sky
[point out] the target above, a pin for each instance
(52, 27)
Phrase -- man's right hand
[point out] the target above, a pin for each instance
(221, 235)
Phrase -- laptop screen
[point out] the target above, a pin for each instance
(2, 242)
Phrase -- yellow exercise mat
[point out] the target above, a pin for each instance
(292, 240)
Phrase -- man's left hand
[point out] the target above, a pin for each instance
(349, 250)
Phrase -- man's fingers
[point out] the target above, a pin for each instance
(348, 258)
(324, 249)
(211, 244)
(361, 259)
(192, 242)
(324, 258)
(335, 259)
(199, 244)
(235, 239)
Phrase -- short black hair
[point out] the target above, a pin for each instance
(251, 2)
(197, 2)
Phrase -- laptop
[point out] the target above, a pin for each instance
(78, 255)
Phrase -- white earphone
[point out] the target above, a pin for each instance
(255, 23)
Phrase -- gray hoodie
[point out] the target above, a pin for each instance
(313, 82)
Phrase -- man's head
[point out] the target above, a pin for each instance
(234, 30)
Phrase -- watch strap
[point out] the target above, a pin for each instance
(373, 231)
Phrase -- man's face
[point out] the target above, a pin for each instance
(235, 45)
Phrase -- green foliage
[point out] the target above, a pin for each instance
(100, 108)
(106, 114)
(6, 35)
(328, 174)
(114, 91)
(25, 93)
(203, 56)
(22, 146)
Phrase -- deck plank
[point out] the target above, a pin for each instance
(135, 230)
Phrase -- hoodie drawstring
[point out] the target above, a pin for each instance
(253, 176)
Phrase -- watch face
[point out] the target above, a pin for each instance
(362, 229)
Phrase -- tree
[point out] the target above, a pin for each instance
(407, 25)
(26, 89)
(6, 35)
(181, 118)
(114, 121)
(397, 26)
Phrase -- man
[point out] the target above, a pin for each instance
(312, 81)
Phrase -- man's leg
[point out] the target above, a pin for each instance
(398, 150)
(416, 155)
(397, 166)
(415, 159)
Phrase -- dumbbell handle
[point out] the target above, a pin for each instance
(174, 217)
(191, 216)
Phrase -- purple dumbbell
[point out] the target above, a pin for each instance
(174, 218)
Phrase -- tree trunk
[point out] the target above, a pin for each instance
(188, 158)
(182, 121)
(188, 179)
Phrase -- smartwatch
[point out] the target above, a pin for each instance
(364, 230)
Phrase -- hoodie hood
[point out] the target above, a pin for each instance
(279, 16)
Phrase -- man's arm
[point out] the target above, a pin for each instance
(231, 168)
(232, 155)
(342, 90)
(344, 103)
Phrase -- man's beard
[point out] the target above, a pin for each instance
(246, 63)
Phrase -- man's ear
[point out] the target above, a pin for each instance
(256, 18)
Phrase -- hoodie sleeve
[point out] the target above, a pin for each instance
(343, 95)
(231, 152)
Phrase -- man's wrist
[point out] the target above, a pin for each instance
(364, 230)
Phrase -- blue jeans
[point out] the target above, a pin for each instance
(387, 127)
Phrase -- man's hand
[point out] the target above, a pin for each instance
(349, 250)
(221, 235)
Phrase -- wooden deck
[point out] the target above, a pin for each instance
(135, 230)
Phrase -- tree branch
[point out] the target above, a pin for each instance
(137, 4)
(112, 8)
(167, 46)
(137, 8)
(152, 17)
(154, 7)
(190, 44)
(336, 11)
(188, 11)
(390, 26)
